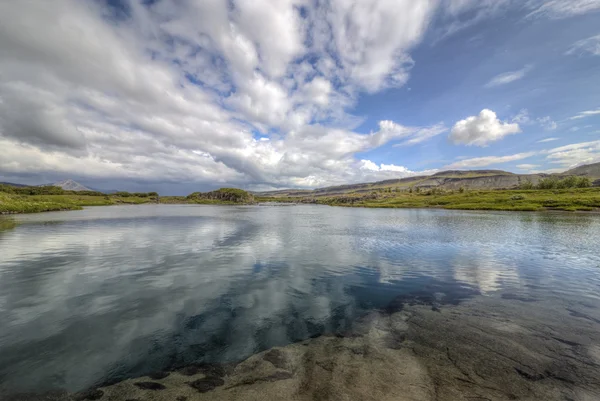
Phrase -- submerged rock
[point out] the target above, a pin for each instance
(483, 349)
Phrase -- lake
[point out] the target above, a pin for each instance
(95, 296)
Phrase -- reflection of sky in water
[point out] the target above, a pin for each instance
(107, 292)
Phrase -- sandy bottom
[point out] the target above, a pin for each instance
(476, 351)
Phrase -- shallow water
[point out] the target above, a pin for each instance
(95, 296)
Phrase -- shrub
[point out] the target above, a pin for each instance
(517, 197)
(583, 182)
(526, 185)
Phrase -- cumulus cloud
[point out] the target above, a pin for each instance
(482, 129)
(249, 93)
(589, 45)
(488, 160)
(508, 77)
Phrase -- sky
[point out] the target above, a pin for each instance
(188, 95)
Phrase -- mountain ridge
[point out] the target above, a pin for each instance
(448, 179)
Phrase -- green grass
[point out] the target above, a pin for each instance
(178, 200)
(14, 203)
(573, 199)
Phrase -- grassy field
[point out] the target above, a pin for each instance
(584, 199)
(20, 201)
(573, 199)
(15, 203)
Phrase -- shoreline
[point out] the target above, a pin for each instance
(282, 204)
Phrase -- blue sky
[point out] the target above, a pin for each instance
(193, 95)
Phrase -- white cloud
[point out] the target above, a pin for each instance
(389, 171)
(548, 140)
(547, 123)
(576, 154)
(585, 114)
(482, 129)
(249, 93)
(488, 161)
(527, 167)
(177, 91)
(557, 9)
(508, 77)
(522, 117)
(590, 45)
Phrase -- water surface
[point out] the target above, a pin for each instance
(94, 296)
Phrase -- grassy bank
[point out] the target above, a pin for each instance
(47, 199)
(583, 199)
(527, 200)
(18, 203)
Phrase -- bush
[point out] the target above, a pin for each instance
(583, 182)
(565, 183)
(526, 185)
(517, 197)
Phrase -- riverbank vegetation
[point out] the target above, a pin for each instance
(555, 194)
(50, 198)
(571, 199)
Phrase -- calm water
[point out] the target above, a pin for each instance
(111, 292)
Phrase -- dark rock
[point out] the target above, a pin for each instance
(530, 376)
(150, 386)
(205, 369)
(281, 375)
(54, 395)
(158, 375)
(212, 370)
(93, 394)
(207, 384)
(277, 358)
(189, 370)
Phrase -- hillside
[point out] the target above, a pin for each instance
(449, 180)
(589, 170)
(12, 184)
(452, 179)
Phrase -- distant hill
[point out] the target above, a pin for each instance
(69, 185)
(590, 170)
(105, 191)
(12, 184)
(451, 179)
